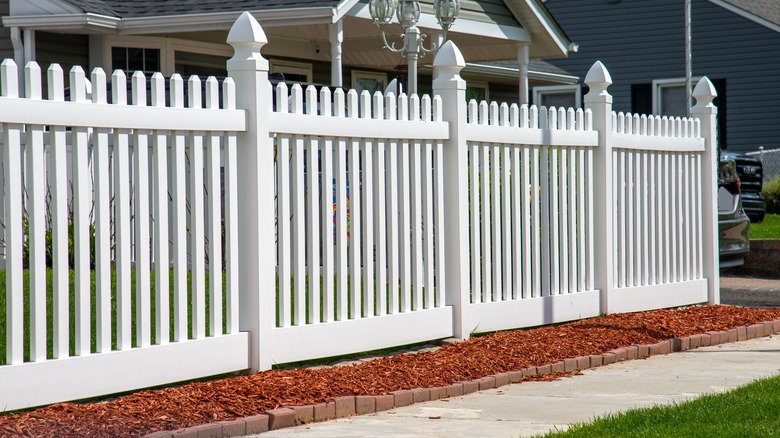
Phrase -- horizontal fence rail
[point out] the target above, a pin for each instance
(150, 240)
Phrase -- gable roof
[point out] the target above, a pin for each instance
(763, 12)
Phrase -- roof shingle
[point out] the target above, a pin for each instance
(153, 8)
(769, 10)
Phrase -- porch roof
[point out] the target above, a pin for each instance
(486, 31)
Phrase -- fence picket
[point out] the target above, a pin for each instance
(160, 209)
(102, 222)
(380, 211)
(506, 228)
(563, 211)
(328, 213)
(487, 253)
(518, 220)
(197, 226)
(474, 252)
(36, 222)
(82, 203)
(58, 180)
(298, 217)
(526, 198)
(572, 207)
(141, 219)
(418, 270)
(122, 222)
(179, 215)
(536, 195)
(341, 214)
(231, 213)
(314, 216)
(213, 214)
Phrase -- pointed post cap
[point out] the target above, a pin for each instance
(448, 63)
(598, 80)
(247, 38)
(705, 93)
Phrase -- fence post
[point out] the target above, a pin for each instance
(255, 153)
(707, 114)
(599, 102)
(448, 85)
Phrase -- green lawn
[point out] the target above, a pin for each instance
(769, 228)
(749, 411)
(49, 304)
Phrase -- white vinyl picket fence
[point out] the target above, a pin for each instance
(348, 222)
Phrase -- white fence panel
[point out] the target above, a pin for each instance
(101, 215)
(381, 193)
(528, 216)
(657, 197)
(550, 215)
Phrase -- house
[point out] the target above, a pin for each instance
(331, 42)
(735, 43)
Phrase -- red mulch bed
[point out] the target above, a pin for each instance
(226, 399)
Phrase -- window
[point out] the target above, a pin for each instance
(558, 96)
(131, 59)
(666, 97)
(293, 71)
(669, 97)
(370, 81)
(477, 91)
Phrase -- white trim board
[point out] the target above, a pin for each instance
(745, 14)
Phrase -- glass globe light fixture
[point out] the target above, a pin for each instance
(382, 11)
(408, 13)
(446, 11)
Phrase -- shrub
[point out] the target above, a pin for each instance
(772, 194)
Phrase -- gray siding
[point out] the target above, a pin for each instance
(6, 49)
(639, 41)
(67, 50)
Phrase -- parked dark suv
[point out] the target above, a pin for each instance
(733, 223)
(751, 173)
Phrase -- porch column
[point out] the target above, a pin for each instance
(522, 63)
(18, 45)
(29, 45)
(336, 38)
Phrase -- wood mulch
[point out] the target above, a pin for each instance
(226, 399)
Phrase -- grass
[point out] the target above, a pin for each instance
(72, 321)
(749, 411)
(769, 228)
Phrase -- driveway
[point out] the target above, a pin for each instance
(750, 292)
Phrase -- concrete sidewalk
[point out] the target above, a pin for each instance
(536, 407)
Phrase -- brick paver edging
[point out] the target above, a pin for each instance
(366, 404)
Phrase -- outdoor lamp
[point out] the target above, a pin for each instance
(446, 11)
(382, 11)
(408, 14)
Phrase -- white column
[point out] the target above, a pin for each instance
(599, 102)
(336, 38)
(18, 45)
(707, 114)
(256, 225)
(522, 64)
(448, 85)
(29, 45)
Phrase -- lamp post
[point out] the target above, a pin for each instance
(408, 14)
